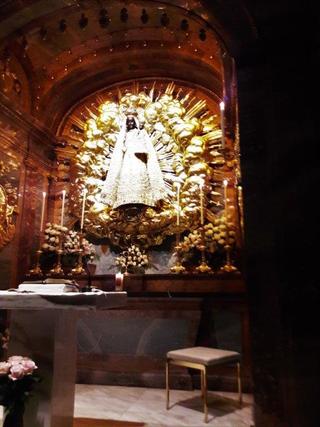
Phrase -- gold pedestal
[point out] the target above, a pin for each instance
(203, 267)
(229, 267)
(79, 267)
(177, 267)
(57, 269)
(36, 271)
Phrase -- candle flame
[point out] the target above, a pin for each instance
(225, 182)
(221, 106)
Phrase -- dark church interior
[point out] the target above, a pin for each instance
(158, 183)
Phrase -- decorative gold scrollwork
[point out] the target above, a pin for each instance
(187, 139)
(7, 228)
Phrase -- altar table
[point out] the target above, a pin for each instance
(43, 327)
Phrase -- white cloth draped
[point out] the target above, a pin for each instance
(130, 179)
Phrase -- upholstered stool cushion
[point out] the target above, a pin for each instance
(204, 355)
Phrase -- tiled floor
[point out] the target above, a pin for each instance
(148, 405)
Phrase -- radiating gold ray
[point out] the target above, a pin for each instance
(178, 93)
(195, 109)
(151, 92)
(78, 122)
(91, 114)
(170, 88)
(186, 154)
(186, 98)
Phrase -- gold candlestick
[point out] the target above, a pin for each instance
(223, 143)
(57, 269)
(228, 267)
(203, 267)
(201, 204)
(178, 267)
(36, 270)
(79, 267)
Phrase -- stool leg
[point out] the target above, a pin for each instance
(202, 384)
(205, 394)
(239, 382)
(167, 384)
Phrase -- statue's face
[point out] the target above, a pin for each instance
(131, 124)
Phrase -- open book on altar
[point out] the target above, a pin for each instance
(49, 286)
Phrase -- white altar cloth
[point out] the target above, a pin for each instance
(10, 300)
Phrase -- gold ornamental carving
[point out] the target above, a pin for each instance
(7, 228)
(186, 139)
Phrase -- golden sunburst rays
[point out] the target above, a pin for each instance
(187, 140)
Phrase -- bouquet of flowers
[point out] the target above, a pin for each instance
(88, 250)
(16, 382)
(52, 235)
(71, 242)
(216, 236)
(133, 259)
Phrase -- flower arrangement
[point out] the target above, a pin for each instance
(88, 250)
(17, 379)
(133, 259)
(52, 235)
(57, 237)
(216, 236)
(73, 243)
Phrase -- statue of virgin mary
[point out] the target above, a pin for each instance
(134, 175)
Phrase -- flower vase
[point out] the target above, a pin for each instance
(13, 416)
(135, 270)
(48, 260)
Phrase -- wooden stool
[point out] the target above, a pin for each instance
(202, 358)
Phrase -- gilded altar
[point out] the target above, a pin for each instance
(192, 155)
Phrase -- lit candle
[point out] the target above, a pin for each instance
(201, 203)
(83, 208)
(225, 183)
(222, 123)
(44, 194)
(62, 208)
(119, 281)
(178, 203)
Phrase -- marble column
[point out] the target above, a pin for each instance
(49, 338)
